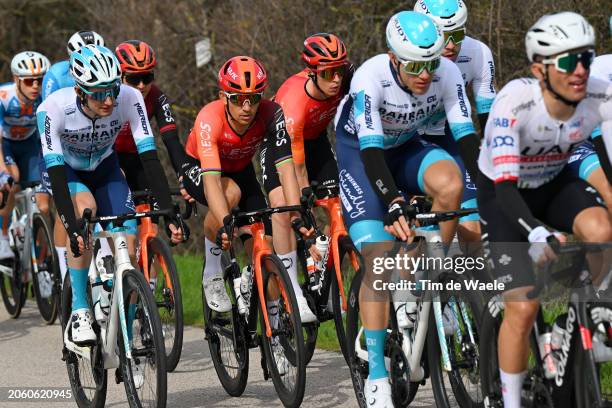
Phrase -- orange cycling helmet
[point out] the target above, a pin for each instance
(325, 50)
(135, 56)
(243, 75)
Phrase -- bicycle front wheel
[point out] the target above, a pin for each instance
(12, 288)
(284, 350)
(169, 299)
(144, 375)
(47, 297)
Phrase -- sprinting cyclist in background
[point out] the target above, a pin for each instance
(20, 139)
(380, 152)
(219, 172)
(309, 100)
(475, 61)
(524, 181)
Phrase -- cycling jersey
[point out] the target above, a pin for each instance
(82, 143)
(306, 118)
(158, 106)
(57, 77)
(17, 119)
(219, 148)
(602, 67)
(475, 61)
(524, 144)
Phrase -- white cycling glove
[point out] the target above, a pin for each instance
(538, 238)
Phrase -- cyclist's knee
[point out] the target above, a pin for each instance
(593, 225)
(445, 182)
(520, 316)
(43, 204)
(232, 192)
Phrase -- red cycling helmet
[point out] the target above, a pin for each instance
(135, 56)
(324, 50)
(243, 75)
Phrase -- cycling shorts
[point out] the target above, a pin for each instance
(321, 161)
(583, 161)
(362, 208)
(25, 155)
(108, 186)
(468, 199)
(556, 203)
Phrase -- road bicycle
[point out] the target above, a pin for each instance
(130, 338)
(270, 295)
(413, 354)
(577, 372)
(35, 263)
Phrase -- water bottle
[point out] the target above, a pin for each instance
(322, 245)
(311, 269)
(548, 361)
(242, 289)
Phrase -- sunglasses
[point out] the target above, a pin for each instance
(416, 67)
(136, 79)
(457, 36)
(240, 98)
(567, 62)
(111, 92)
(329, 74)
(30, 81)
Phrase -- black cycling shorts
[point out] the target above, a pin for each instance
(556, 204)
(321, 161)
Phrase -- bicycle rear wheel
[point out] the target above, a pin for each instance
(227, 343)
(284, 350)
(168, 298)
(12, 288)
(47, 298)
(88, 378)
(588, 373)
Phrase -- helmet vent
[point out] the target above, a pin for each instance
(247, 79)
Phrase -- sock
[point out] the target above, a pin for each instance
(290, 262)
(273, 313)
(63, 265)
(212, 262)
(78, 279)
(131, 314)
(512, 385)
(375, 341)
(153, 283)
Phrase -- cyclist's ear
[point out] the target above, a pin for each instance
(223, 97)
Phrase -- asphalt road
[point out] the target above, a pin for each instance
(31, 357)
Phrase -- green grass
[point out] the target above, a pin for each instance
(190, 272)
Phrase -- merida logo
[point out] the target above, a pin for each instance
(461, 98)
(143, 118)
(48, 132)
(368, 111)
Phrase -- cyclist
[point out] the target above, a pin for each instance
(309, 100)
(80, 125)
(533, 126)
(475, 62)
(219, 173)
(20, 146)
(138, 62)
(58, 77)
(379, 152)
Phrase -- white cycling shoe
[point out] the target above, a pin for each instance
(282, 364)
(82, 331)
(378, 393)
(406, 314)
(306, 314)
(449, 321)
(5, 249)
(216, 295)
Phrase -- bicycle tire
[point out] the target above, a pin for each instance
(584, 390)
(170, 302)
(76, 365)
(310, 331)
(358, 368)
(149, 335)
(48, 306)
(345, 248)
(461, 355)
(489, 369)
(292, 343)
(219, 338)
(13, 289)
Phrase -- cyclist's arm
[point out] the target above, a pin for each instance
(135, 112)
(602, 152)
(2, 163)
(483, 86)
(169, 133)
(50, 84)
(602, 135)
(294, 120)
(50, 121)
(459, 117)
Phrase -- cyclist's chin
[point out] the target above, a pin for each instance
(420, 87)
(103, 111)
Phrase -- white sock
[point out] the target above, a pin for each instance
(212, 264)
(290, 262)
(512, 385)
(63, 264)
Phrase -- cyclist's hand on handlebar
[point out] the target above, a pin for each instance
(297, 223)
(176, 234)
(397, 220)
(540, 249)
(184, 192)
(77, 244)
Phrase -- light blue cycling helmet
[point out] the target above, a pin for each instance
(94, 66)
(448, 14)
(413, 36)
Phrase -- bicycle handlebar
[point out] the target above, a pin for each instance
(190, 208)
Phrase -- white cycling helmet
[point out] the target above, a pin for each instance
(29, 64)
(448, 14)
(556, 33)
(81, 38)
(94, 66)
(414, 37)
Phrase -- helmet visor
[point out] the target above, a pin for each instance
(110, 92)
(568, 61)
(416, 67)
(457, 36)
(329, 73)
(239, 98)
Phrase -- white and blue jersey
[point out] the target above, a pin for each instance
(379, 112)
(17, 119)
(57, 77)
(82, 143)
